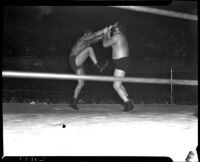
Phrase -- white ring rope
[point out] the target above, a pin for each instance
(160, 12)
(15, 74)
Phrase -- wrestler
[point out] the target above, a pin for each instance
(78, 55)
(116, 39)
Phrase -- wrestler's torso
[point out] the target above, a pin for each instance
(120, 48)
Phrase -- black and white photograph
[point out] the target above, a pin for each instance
(100, 81)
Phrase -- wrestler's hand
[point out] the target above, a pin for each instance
(105, 30)
(110, 27)
(109, 34)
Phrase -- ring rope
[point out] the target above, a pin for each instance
(160, 12)
(16, 74)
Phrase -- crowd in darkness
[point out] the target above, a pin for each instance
(43, 45)
(52, 35)
(56, 97)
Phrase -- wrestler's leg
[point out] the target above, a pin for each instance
(78, 88)
(120, 89)
(92, 55)
(82, 56)
(89, 52)
(122, 86)
(117, 85)
(94, 60)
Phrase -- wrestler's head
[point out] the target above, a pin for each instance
(112, 30)
(118, 27)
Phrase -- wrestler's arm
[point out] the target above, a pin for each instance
(109, 41)
(95, 40)
(98, 34)
(92, 36)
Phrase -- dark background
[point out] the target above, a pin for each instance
(39, 39)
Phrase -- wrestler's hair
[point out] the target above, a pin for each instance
(120, 26)
(112, 30)
(115, 27)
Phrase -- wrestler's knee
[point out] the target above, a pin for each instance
(90, 49)
(116, 86)
(81, 83)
